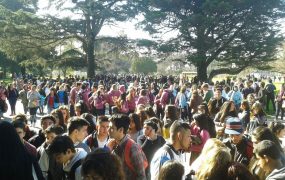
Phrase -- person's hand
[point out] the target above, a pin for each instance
(111, 144)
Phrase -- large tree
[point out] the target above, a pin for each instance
(234, 34)
(92, 15)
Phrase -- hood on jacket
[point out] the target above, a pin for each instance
(79, 154)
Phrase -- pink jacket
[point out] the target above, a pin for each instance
(99, 102)
(132, 104)
(204, 135)
(163, 98)
(143, 100)
(113, 94)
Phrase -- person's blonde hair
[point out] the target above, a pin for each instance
(215, 164)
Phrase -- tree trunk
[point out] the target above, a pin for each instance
(202, 71)
(90, 59)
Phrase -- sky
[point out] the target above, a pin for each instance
(120, 28)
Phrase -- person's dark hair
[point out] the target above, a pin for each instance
(171, 170)
(58, 116)
(172, 112)
(61, 144)
(201, 121)
(176, 127)
(47, 117)
(246, 105)
(83, 108)
(152, 124)
(21, 117)
(58, 130)
(19, 124)
(90, 118)
(157, 121)
(121, 121)
(276, 127)
(143, 116)
(204, 106)
(105, 165)
(76, 123)
(225, 111)
(15, 161)
(268, 148)
(150, 112)
(263, 133)
(136, 119)
(238, 171)
(101, 119)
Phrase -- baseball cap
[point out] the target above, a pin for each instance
(234, 126)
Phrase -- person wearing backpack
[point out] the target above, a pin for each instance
(180, 140)
(133, 158)
(62, 148)
(270, 88)
(241, 148)
(100, 137)
(150, 141)
(167, 97)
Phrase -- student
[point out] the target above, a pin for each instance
(241, 148)
(101, 164)
(150, 142)
(77, 131)
(100, 137)
(50, 169)
(39, 139)
(63, 150)
(180, 140)
(270, 159)
(171, 170)
(133, 158)
(20, 129)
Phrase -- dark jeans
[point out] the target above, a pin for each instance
(278, 110)
(270, 97)
(72, 110)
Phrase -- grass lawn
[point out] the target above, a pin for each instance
(6, 80)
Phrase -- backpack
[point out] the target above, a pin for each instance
(127, 155)
(170, 98)
(269, 88)
(71, 173)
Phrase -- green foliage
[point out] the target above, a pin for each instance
(144, 65)
(208, 31)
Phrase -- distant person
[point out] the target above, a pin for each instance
(269, 89)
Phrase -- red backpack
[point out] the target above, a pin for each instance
(128, 155)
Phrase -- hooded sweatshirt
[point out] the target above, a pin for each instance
(277, 174)
(79, 154)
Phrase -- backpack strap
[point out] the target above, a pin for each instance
(169, 151)
(71, 174)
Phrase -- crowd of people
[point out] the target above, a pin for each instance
(142, 127)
